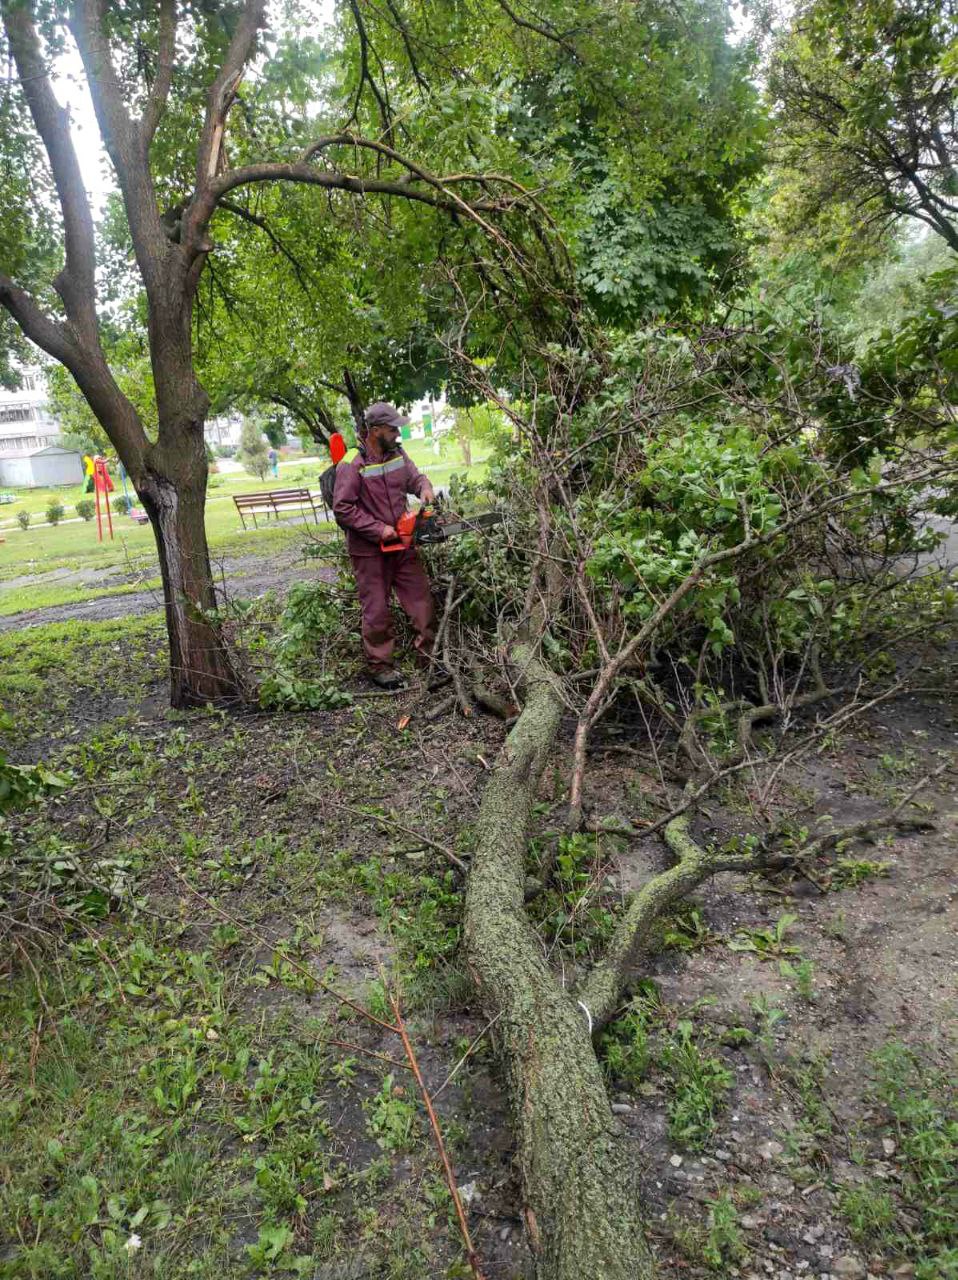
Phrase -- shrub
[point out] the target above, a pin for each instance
(122, 505)
(254, 451)
(23, 519)
(55, 511)
(85, 508)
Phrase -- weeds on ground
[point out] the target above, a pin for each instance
(699, 1082)
(718, 1243)
(647, 1036)
(767, 944)
(849, 873)
(576, 915)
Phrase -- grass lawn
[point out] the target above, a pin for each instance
(74, 546)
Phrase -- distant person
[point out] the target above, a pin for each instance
(272, 457)
(369, 498)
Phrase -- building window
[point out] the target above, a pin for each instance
(16, 413)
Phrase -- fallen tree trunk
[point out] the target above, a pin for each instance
(582, 1207)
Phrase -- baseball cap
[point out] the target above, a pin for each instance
(382, 414)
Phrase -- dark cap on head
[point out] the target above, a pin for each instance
(382, 414)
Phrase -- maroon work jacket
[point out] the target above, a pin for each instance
(371, 494)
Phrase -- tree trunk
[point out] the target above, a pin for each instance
(582, 1211)
(201, 670)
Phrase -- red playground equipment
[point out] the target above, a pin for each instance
(102, 484)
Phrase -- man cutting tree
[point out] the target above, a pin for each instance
(368, 501)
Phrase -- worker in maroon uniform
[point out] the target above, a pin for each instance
(370, 497)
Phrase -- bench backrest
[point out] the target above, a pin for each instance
(271, 495)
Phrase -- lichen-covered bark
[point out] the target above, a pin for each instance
(602, 989)
(582, 1209)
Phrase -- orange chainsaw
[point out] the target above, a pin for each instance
(428, 526)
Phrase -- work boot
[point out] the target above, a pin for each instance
(390, 680)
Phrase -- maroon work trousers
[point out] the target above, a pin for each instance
(377, 577)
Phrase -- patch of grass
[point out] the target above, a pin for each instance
(869, 1211)
(27, 598)
(699, 1083)
(725, 1243)
(50, 668)
(575, 914)
(922, 1106)
(687, 930)
(624, 1046)
(802, 973)
(848, 873)
(391, 1117)
(718, 1243)
(767, 944)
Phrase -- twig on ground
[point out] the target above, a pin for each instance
(452, 858)
(437, 1134)
(467, 1055)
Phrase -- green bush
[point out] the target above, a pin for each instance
(85, 508)
(122, 505)
(55, 511)
(23, 519)
(283, 690)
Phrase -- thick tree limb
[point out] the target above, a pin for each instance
(125, 148)
(160, 89)
(581, 1212)
(603, 988)
(76, 282)
(222, 91)
(49, 334)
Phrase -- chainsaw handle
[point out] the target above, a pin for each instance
(407, 529)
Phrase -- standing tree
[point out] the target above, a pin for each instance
(198, 106)
(865, 95)
(147, 68)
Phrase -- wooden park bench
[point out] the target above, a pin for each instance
(274, 501)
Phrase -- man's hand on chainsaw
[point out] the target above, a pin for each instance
(389, 534)
(428, 496)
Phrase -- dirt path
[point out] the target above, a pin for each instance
(241, 576)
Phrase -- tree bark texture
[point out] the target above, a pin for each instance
(582, 1209)
(201, 670)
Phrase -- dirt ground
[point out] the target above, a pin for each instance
(342, 813)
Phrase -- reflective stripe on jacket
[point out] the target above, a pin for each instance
(372, 494)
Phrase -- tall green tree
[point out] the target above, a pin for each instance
(165, 81)
(865, 96)
(253, 452)
(637, 128)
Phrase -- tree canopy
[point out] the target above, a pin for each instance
(865, 98)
